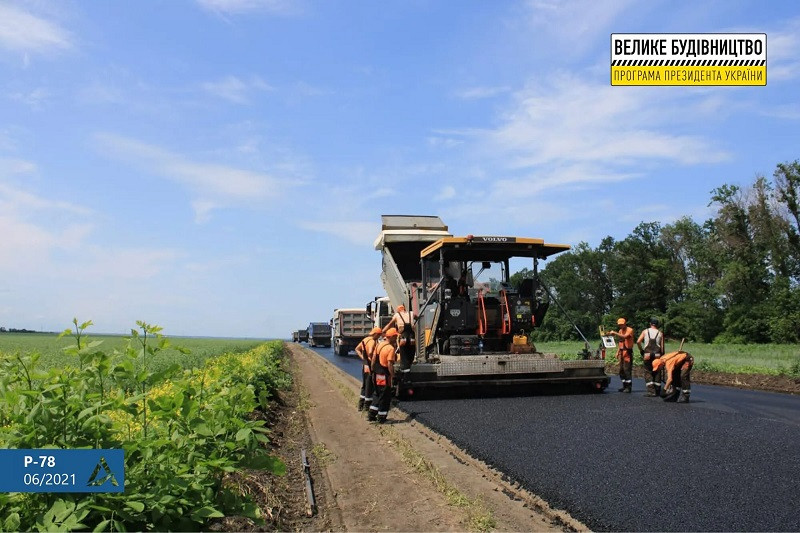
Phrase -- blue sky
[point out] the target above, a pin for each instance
(219, 167)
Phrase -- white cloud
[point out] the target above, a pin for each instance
(280, 7)
(211, 185)
(27, 241)
(574, 26)
(568, 120)
(785, 112)
(444, 142)
(236, 90)
(359, 233)
(126, 264)
(571, 177)
(15, 199)
(11, 166)
(782, 47)
(34, 99)
(446, 193)
(100, 93)
(477, 93)
(22, 31)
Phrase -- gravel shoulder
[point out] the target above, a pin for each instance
(400, 476)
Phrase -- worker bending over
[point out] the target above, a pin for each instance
(651, 346)
(624, 354)
(677, 370)
(365, 351)
(383, 376)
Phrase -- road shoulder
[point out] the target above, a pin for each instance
(401, 476)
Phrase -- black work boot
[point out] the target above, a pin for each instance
(684, 397)
(628, 388)
(651, 391)
(361, 404)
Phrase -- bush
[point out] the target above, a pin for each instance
(182, 431)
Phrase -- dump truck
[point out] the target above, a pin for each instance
(349, 327)
(301, 335)
(380, 311)
(319, 334)
(472, 327)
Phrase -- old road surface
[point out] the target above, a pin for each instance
(727, 461)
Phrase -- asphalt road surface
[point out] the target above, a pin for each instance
(727, 461)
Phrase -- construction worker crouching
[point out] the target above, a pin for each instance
(625, 354)
(383, 376)
(365, 351)
(677, 369)
(402, 321)
(651, 347)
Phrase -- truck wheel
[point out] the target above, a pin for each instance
(341, 350)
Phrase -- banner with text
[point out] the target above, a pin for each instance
(693, 59)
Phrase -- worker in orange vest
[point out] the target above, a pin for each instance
(678, 370)
(403, 322)
(383, 376)
(624, 354)
(365, 351)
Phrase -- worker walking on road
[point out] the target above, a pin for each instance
(383, 376)
(651, 346)
(677, 369)
(402, 322)
(625, 354)
(365, 351)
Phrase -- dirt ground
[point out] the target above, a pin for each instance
(398, 476)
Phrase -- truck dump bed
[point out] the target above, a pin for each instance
(349, 327)
(400, 241)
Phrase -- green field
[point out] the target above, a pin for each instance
(185, 420)
(774, 359)
(51, 348)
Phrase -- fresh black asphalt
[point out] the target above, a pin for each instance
(727, 461)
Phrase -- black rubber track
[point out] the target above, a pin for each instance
(727, 461)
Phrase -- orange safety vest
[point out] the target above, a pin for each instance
(671, 360)
(385, 356)
(626, 344)
(367, 346)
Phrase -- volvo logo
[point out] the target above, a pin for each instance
(455, 312)
(496, 239)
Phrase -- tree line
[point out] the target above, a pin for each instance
(734, 278)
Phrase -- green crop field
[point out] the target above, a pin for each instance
(51, 348)
(180, 408)
(774, 359)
